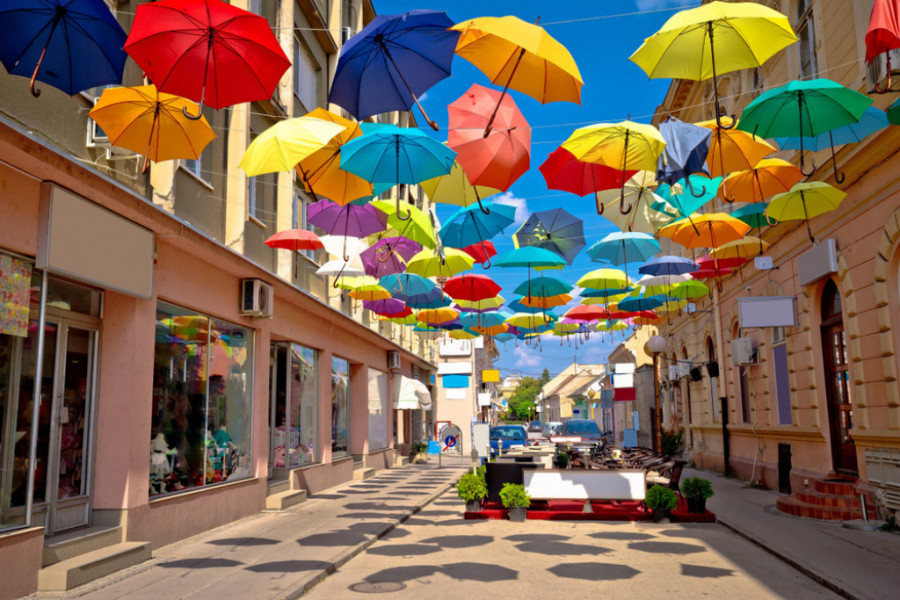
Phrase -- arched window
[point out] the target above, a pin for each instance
(806, 32)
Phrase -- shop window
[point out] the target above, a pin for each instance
(340, 407)
(295, 434)
(202, 401)
(806, 32)
(782, 385)
(378, 410)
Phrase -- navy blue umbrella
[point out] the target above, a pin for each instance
(391, 61)
(668, 265)
(72, 45)
(685, 153)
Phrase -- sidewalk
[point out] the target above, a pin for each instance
(855, 564)
(279, 554)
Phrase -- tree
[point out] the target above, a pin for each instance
(545, 377)
(521, 403)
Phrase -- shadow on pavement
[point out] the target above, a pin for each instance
(469, 571)
(561, 549)
(243, 541)
(326, 496)
(460, 541)
(621, 535)
(376, 506)
(704, 572)
(288, 566)
(666, 547)
(439, 513)
(403, 550)
(536, 537)
(367, 515)
(335, 538)
(200, 563)
(594, 571)
(401, 574)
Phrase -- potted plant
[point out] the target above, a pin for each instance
(696, 490)
(661, 501)
(418, 452)
(516, 499)
(473, 490)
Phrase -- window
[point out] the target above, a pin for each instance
(378, 410)
(254, 6)
(782, 385)
(306, 76)
(202, 401)
(294, 418)
(713, 381)
(300, 218)
(200, 168)
(806, 33)
(252, 195)
(340, 407)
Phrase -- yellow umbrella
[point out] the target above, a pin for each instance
(715, 38)
(626, 145)
(611, 299)
(709, 230)
(321, 171)
(429, 263)
(286, 143)
(370, 292)
(805, 201)
(462, 334)
(145, 121)
(770, 176)
(486, 304)
(530, 320)
(670, 306)
(407, 320)
(747, 248)
(416, 226)
(437, 316)
(454, 188)
(604, 279)
(355, 282)
(610, 325)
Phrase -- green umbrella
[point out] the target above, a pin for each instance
(415, 226)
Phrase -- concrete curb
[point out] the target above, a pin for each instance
(353, 551)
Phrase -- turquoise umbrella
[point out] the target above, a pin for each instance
(641, 303)
(543, 286)
(471, 224)
(406, 284)
(618, 248)
(486, 319)
(531, 257)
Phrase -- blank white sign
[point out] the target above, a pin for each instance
(585, 484)
(768, 311)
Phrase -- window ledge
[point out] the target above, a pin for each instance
(257, 222)
(195, 177)
(161, 498)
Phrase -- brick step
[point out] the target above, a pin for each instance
(285, 500)
(81, 569)
(830, 500)
(838, 486)
(793, 506)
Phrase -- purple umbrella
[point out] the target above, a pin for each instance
(350, 220)
(389, 306)
(388, 256)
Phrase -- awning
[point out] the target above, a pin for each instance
(411, 394)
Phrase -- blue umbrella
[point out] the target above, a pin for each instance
(471, 225)
(433, 299)
(641, 303)
(685, 153)
(401, 285)
(667, 265)
(391, 61)
(618, 248)
(519, 307)
(543, 286)
(486, 319)
(555, 230)
(72, 45)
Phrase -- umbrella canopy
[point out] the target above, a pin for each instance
(437, 316)
(350, 220)
(872, 120)
(619, 248)
(286, 143)
(544, 286)
(584, 312)
(685, 153)
(356, 282)
(387, 307)
(72, 45)
(339, 268)
(531, 257)
(471, 225)
(634, 205)
(454, 188)
(486, 320)
(805, 201)
(686, 204)
(145, 121)
(605, 279)
(667, 265)
(545, 302)
(689, 289)
(521, 56)
(718, 37)
(641, 303)
(295, 239)
(754, 215)
(883, 34)
(206, 50)
(369, 293)
(709, 230)
(770, 176)
(562, 171)
(432, 299)
(338, 245)
(471, 287)
(431, 263)
(482, 306)
(498, 159)
(626, 145)
(406, 284)
(416, 225)
(555, 230)
(481, 251)
(394, 59)
(745, 248)
(388, 256)
(532, 320)
(732, 149)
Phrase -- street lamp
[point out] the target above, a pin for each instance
(657, 344)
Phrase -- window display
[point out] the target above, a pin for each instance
(202, 401)
(378, 410)
(340, 407)
(294, 418)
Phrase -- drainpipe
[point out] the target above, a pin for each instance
(722, 387)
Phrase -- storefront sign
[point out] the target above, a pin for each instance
(15, 281)
(625, 394)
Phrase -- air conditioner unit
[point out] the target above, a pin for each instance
(346, 34)
(743, 352)
(684, 368)
(393, 360)
(673, 372)
(876, 72)
(257, 298)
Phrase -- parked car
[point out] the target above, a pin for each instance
(583, 434)
(535, 426)
(552, 428)
(504, 437)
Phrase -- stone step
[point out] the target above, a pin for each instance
(278, 486)
(830, 500)
(285, 500)
(401, 461)
(69, 545)
(87, 567)
(363, 473)
(837, 486)
(793, 506)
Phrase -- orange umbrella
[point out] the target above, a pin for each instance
(545, 301)
(770, 176)
(500, 158)
(709, 230)
(732, 149)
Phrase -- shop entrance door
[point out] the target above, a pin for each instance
(838, 389)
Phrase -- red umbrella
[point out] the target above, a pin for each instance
(471, 287)
(883, 34)
(207, 51)
(587, 312)
(295, 239)
(562, 171)
(481, 251)
(705, 263)
(711, 273)
(501, 157)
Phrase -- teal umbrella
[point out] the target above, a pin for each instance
(531, 257)
(803, 109)
(544, 287)
(618, 248)
(471, 224)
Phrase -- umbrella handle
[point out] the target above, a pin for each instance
(887, 88)
(199, 114)
(687, 180)
(838, 177)
(599, 204)
(712, 55)
(483, 208)
(770, 221)
(36, 92)
(408, 213)
(622, 208)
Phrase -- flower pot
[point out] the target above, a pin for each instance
(473, 505)
(518, 514)
(659, 515)
(696, 506)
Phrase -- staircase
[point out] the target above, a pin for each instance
(834, 498)
(281, 496)
(360, 471)
(76, 558)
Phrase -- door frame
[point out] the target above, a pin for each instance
(831, 324)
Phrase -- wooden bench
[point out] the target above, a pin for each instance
(585, 484)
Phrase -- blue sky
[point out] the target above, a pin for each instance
(601, 36)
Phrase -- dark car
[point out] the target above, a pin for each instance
(535, 426)
(504, 437)
(582, 433)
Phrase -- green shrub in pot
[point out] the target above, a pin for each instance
(661, 500)
(473, 490)
(696, 490)
(516, 499)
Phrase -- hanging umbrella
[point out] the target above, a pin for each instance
(689, 289)
(532, 258)
(463, 334)
(685, 153)
(295, 239)
(562, 171)
(415, 226)
(883, 35)
(482, 306)
(286, 143)
(707, 263)
(495, 160)
(147, 122)
(338, 245)
(406, 284)
(642, 215)
(604, 279)
(544, 286)
(641, 303)
(471, 287)
(545, 302)
(339, 268)
(619, 248)
(370, 293)
(625, 146)
(521, 56)
(485, 320)
(873, 120)
(389, 154)
(770, 176)
(437, 316)
(732, 149)
(321, 172)
(712, 39)
(355, 282)
(392, 61)
(555, 230)
(471, 225)
(430, 263)
(387, 307)
(350, 220)
(72, 45)
(805, 201)
(745, 248)
(432, 299)
(532, 320)
(803, 108)
(685, 205)
(206, 50)
(388, 256)
(517, 306)
(454, 188)
(482, 252)
(584, 312)
(709, 230)
(667, 265)
(753, 215)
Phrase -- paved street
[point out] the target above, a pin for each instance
(437, 554)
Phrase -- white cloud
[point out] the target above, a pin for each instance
(521, 207)
(661, 4)
(526, 357)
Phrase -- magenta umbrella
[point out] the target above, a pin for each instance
(351, 220)
(388, 306)
(388, 256)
